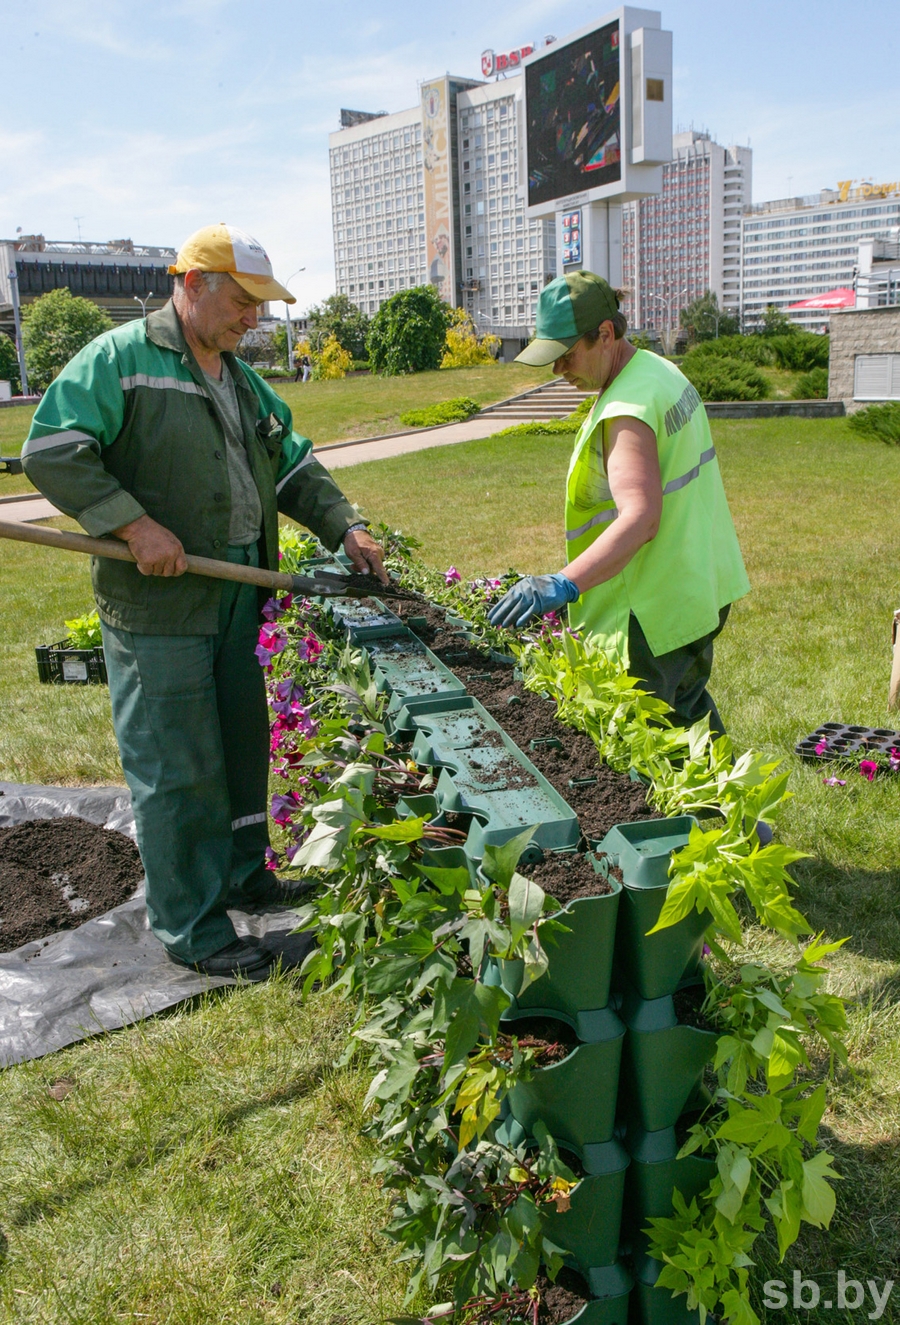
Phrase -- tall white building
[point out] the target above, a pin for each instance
(796, 248)
(687, 240)
(434, 195)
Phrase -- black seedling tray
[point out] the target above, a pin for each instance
(59, 665)
(843, 741)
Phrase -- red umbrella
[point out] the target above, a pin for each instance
(840, 298)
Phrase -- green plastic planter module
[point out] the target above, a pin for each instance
(414, 677)
(653, 964)
(663, 1061)
(484, 773)
(655, 1172)
(575, 1099)
(578, 976)
(612, 1289)
(366, 621)
(588, 1232)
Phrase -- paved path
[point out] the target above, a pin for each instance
(28, 508)
(339, 454)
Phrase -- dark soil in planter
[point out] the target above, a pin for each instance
(57, 873)
(610, 798)
(562, 1300)
(566, 877)
(688, 1007)
(552, 1040)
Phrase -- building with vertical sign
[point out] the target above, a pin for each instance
(687, 240)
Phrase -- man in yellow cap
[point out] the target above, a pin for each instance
(155, 433)
(653, 557)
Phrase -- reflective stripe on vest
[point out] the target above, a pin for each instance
(672, 486)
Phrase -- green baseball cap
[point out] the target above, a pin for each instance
(567, 308)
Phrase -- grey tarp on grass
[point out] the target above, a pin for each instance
(109, 971)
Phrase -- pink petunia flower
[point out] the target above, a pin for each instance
(835, 782)
(309, 648)
(822, 747)
(273, 860)
(452, 576)
(868, 768)
(894, 759)
(287, 697)
(283, 806)
(272, 641)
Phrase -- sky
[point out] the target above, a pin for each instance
(148, 121)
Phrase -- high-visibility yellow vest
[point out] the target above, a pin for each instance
(677, 583)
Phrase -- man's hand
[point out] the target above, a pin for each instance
(365, 553)
(531, 596)
(155, 549)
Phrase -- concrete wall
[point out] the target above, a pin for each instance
(859, 331)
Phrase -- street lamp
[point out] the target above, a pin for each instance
(287, 323)
(143, 302)
(20, 348)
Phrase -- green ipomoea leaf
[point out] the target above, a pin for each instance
(500, 862)
(526, 901)
(475, 1009)
(402, 830)
(448, 881)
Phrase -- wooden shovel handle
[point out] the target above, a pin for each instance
(119, 551)
(894, 691)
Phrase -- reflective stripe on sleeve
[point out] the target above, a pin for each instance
(246, 820)
(160, 384)
(68, 438)
(603, 518)
(674, 484)
(307, 459)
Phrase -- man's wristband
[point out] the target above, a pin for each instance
(353, 528)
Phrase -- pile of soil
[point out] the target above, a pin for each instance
(688, 1007)
(562, 1300)
(608, 797)
(57, 873)
(567, 876)
(552, 1040)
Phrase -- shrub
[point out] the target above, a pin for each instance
(359, 366)
(54, 328)
(550, 427)
(332, 361)
(338, 316)
(445, 411)
(752, 349)
(462, 348)
(881, 422)
(812, 385)
(9, 363)
(724, 378)
(801, 351)
(408, 332)
(83, 632)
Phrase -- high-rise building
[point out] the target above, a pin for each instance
(433, 194)
(797, 248)
(686, 240)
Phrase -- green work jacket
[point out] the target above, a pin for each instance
(128, 428)
(677, 583)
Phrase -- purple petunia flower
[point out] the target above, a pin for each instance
(452, 576)
(277, 607)
(835, 782)
(287, 697)
(272, 640)
(821, 747)
(868, 768)
(309, 648)
(894, 759)
(273, 860)
(283, 807)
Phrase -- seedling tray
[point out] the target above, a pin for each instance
(59, 665)
(842, 741)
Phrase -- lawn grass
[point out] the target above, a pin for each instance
(813, 505)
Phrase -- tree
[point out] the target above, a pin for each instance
(54, 328)
(462, 348)
(9, 363)
(338, 316)
(704, 320)
(408, 332)
(776, 323)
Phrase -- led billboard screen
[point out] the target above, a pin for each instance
(574, 131)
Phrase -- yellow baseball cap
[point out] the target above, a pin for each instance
(225, 248)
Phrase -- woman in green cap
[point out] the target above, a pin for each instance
(654, 561)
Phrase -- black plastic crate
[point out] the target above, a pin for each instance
(59, 665)
(842, 741)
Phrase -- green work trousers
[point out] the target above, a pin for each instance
(189, 713)
(679, 677)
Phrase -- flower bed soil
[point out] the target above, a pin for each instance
(688, 1007)
(562, 1300)
(551, 1040)
(57, 873)
(566, 876)
(611, 799)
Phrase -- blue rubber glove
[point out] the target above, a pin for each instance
(532, 596)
